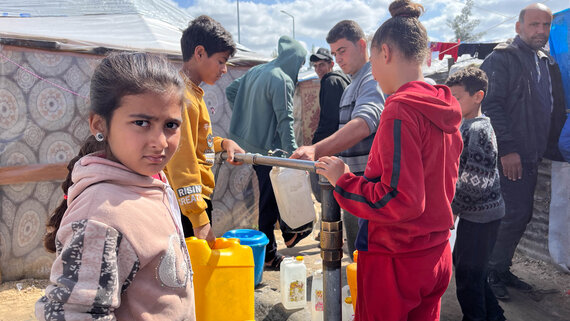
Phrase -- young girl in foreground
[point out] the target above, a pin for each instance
(403, 200)
(117, 234)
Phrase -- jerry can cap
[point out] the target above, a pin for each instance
(299, 258)
(348, 300)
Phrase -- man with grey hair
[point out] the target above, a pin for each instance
(524, 101)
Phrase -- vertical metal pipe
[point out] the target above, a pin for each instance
(239, 36)
(331, 230)
(331, 251)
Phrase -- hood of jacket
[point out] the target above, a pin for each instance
(436, 103)
(290, 56)
(93, 169)
(337, 73)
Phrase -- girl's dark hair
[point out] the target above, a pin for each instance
(118, 75)
(404, 30)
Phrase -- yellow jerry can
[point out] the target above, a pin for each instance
(223, 280)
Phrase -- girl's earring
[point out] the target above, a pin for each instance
(99, 137)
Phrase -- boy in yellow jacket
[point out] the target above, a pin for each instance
(206, 48)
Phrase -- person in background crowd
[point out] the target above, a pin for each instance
(206, 48)
(333, 84)
(262, 120)
(525, 113)
(477, 202)
(359, 113)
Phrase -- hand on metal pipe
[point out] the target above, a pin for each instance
(305, 152)
(332, 168)
(232, 148)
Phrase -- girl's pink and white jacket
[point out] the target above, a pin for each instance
(120, 250)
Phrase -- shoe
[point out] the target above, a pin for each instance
(497, 286)
(297, 238)
(511, 280)
(275, 264)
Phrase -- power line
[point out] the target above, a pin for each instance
(509, 18)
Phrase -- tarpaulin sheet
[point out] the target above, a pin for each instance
(559, 43)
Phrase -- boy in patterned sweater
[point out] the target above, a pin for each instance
(478, 201)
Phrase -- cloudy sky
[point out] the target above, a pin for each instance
(262, 22)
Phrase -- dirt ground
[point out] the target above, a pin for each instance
(17, 299)
(549, 302)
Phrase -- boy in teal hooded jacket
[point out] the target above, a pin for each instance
(262, 120)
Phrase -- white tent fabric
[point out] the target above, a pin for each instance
(82, 25)
(159, 9)
(120, 31)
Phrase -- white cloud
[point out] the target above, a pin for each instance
(262, 24)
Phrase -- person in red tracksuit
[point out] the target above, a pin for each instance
(403, 200)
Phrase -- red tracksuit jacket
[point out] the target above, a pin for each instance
(409, 181)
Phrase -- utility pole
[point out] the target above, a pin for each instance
(239, 38)
(292, 17)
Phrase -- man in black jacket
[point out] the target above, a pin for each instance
(332, 87)
(524, 102)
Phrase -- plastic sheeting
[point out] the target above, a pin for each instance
(83, 25)
(559, 214)
(559, 43)
(158, 9)
(121, 31)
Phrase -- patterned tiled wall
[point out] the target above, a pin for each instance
(40, 123)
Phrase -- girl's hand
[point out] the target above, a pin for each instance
(332, 168)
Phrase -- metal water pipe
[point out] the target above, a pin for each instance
(331, 229)
(331, 251)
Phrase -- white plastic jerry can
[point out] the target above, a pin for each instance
(294, 290)
(317, 297)
(292, 189)
(347, 309)
(286, 260)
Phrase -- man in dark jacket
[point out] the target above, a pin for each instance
(332, 87)
(522, 102)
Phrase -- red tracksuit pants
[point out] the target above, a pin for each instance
(400, 288)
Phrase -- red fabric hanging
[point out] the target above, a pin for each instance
(448, 48)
